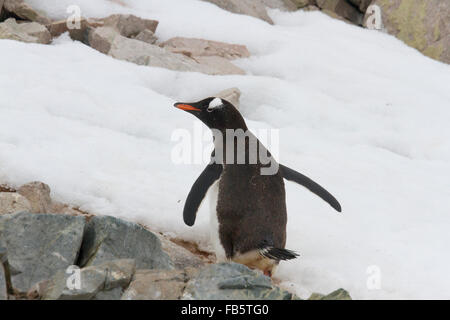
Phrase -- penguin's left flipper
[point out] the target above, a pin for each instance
(198, 191)
(312, 186)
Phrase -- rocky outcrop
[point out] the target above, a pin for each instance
(232, 281)
(25, 31)
(254, 8)
(421, 24)
(79, 33)
(108, 238)
(13, 203)
(38, 245)
(342, 8)
(23, 11)
(128, 25)
(193, 47)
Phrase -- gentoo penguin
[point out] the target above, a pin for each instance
(248, 218)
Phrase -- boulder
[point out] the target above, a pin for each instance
(38, 245)
(129, 25)
(232, 281)
(254, 8)
(108, 238)
(193, 47)
(231, 95)
(25, 12)
(156, 285)
(303, 3)
(421, 24)
(25, 31)
(38, 194)
(218, 65)
(57, 28)
(146, 36)
(3, 257)
(11, 202)
(103, 282)
(339, 294)
(181, 257)
(102, 38)
(343, 9)
(283, 5)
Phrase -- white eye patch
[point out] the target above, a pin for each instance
(214, 104)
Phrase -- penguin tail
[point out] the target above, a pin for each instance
(278, 253)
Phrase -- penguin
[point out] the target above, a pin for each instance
(248, 208)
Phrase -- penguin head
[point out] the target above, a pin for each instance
(216, 113)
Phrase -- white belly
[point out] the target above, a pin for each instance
(214, 223)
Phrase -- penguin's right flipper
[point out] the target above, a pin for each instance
(292, 175)
(198, 191)
(278, 253)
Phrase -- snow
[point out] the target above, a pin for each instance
(358, 111)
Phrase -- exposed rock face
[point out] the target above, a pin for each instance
(3, 257)
(146, 36)
(108, 238)
(283, 5)
(232, 281)
(24, 11)
(103, 282)
(38, 245)
(25, 32)
(38, 194)
(422, 24)
(362, 5)
(11, 202)
(156, 285)
(59, 27)
(303, 3)
(339, 294)
(193, 47)
(181, 257)
(343, 9)
(254, 8)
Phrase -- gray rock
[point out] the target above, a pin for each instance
(339, 294)
(146, 36)
(11, 202)
(231, 95)
(103, 282)
(25, 31)
(38, 194)
(232, 281)
(254, 8)
(38, 245)
(3, 290)
(181, 257)
(129, 25)
(156, 285)
(193, 47)
(109, 238)
(24, 11)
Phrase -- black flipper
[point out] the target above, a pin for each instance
(278, 253)
(198, 191)
(295, 176)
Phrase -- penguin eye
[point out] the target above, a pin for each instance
(216, 103)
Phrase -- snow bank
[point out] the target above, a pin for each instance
(358, 111)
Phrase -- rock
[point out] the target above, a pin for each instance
(146, 36)
(254, 8)
(193, 47)
(38, 194)
(343, 9)
(303, 3)
(24, 11)
(108, 238)
(339, 294)
(25, 32)
(362, 5)
(13, 203)
(218, 65)
(181, 257)
(231, 95)
(231, 281)
(283, 5)
(103, 282)
(3, 289)
(129, 25)
(59, 27)
(38, 245)
(102, 38)
(156, 285)
(424, 25)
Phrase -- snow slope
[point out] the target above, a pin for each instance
(358, 111)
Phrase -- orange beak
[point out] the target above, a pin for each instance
(186, 107)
